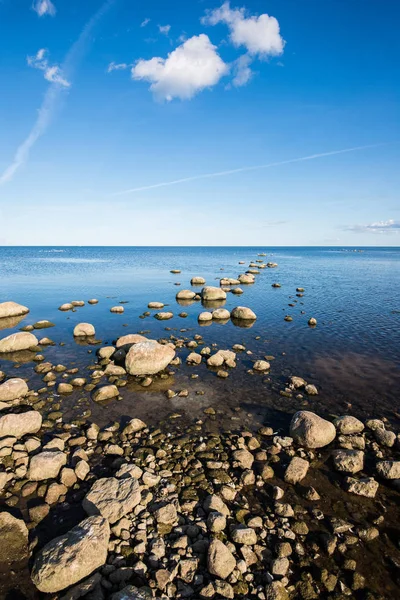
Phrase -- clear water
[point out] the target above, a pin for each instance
(353, 355)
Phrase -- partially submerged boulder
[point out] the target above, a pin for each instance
(73, 556)
(12, 309)
(242, 313)
(148, 358)
(210, 293)
(84, 330)
(311, 431)
(17, 342)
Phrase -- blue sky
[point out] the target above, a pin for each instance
(103, 101)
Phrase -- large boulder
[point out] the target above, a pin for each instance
(112, 498)
(130, 338)
(212, 293)
(12, 309)
(17, 342)
(197, 281)
(46, 465)
(13, 389)
(105, 392)
(311, 431)
(18, 425)
(73, 556)
(84, 330)
(148, 358)
(220, 560)
(246, 278)
(242, 313)
(14, 538)
(185, 295)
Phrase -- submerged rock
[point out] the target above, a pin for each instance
(12, 309)
(148, 358)
(17, 342)
(13, 389)
(72, 557)
(311, 431)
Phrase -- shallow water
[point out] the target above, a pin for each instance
(352, 356)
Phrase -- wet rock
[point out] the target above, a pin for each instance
(131, 592)
(220, 314)
(246, 278)
(164, 316)
(194, 358)
(311, 390)
(72, 556)
(12, 309)
(312, 322)
(242, 313)
(348, 461)
(17, 342)
(112, 498)
(210, 293)
(12, 389)
(106, 392)
(296, 470)
(14, 538)
(106, 351)
(205, 316)
(155, 305)
(117, 309)
(185, 295)
(348, 425)
(84, 330)
(148, 358)
(309, 430)
(220, 560)
(197, 281)
(18, 425)
(388, 469)
(43, 324)
(362, 487)
(65, 388)
(297, 382)
(46, 465)
(261, 365)
(66, 306)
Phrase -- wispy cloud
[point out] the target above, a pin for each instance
(145, 22)
(381, 227)
(52, 73)
(117, 67)
(44, 7)
(52, 96)
(244, 169)
(164, 29)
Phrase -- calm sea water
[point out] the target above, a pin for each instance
(353, 355)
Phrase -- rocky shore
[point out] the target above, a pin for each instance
(129, 511)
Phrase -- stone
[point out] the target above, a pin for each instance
(242, 313)
(244, 535)
(366, 487)
(244, 458)
(155, 305)
(347, 425)
(276, 591)
(220, 560)
(130, 338)
(45, 324)
(312, 322)
(296, 470)
(106, 351)
(297, 382)
(221, 314)
(46, 465)
(106, 392)
(93, 301)
(261, 365)
(388, 469)
(84, 330)
(205, 316)
(216, 522)
(348, 461)
(131, 592)
(148, 358)
(197, 281)
(164, 316)
(82, 469)
(194, 358)
(166, 515)
(280, 566)
(218, 359)
(17, 342)
(185, 295)
(71, 557)
(117, 309)
(12, 309)
(311, 431)
(14, 538)
(215, 503)
(112, 498)
(385, 438)
(246, 278)
(65, 388)
(210, 293)
(18, 425)
(66, 306)
(311, 390)
(134, 426)
(13, 389)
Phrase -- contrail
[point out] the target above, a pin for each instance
(52, 96)
(243, 169)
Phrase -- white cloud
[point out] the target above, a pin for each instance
(164, 29)
(145, 22)
(382, 227)
(52, 73)
(44, 7)
(259, 35)
(189, 69)
(117, 67)
(243, 73)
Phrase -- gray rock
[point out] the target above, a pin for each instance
(166, 515)
(112, 498)
(13, 389)
(72, 556)
(362, 487)
(296, 470)
(389, 469)
(17, 342)
(220, 560)
(244, 458)
(18, 425)
(385, 438)
(348, 461)
(131, 592)
(311, 431)
(245, 536)
(14, 538)
(348, 425)
(148, 358)
(46, 465)
(106, 392)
